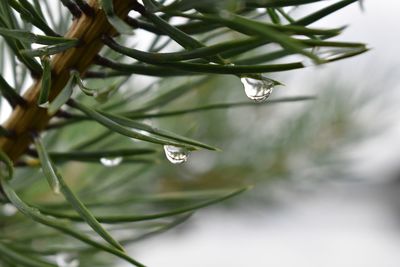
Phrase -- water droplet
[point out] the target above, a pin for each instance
(8, 210)
(258, 89)
(66, 260)
(111, 162)
(44, 105)
(175, 154)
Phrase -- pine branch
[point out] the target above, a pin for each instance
(94, 120)
(33, 118)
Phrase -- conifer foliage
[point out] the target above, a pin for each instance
(77, 141)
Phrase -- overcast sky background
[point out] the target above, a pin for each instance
(339, 226)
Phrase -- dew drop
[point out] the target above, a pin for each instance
(258, 89)
(8, 210)
(175, 154)
(111, 162)
(66, 260)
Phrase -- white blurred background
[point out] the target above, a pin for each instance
(338, 224)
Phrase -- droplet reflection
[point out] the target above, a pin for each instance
(258, 89)
(111, 162)
(176, 155)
